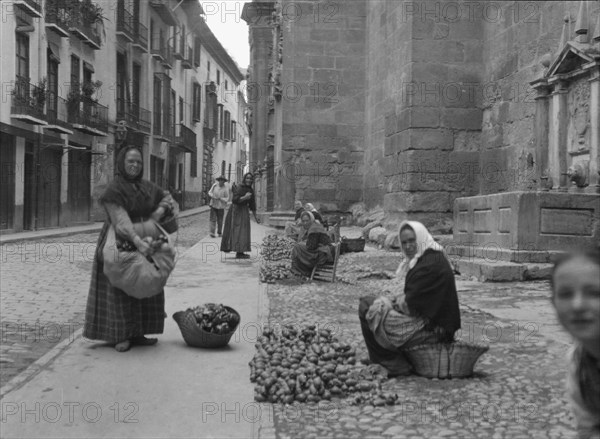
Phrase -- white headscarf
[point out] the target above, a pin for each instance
(424, 242)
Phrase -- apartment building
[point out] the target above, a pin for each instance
(81, 79)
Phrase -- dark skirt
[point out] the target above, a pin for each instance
(236, 230)
(113, 316)
(304, 260)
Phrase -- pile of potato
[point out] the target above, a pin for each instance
(304, 365)
(276, 260)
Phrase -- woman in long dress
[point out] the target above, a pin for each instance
(315, 247)
(236, 230)
(111, 315)
(426, 311)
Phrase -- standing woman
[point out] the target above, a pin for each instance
(576, 298)
(236, 230)
(111, 315)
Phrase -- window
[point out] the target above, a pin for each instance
(156, 170)
(233, 131)
(194, 163)
(152, 44)
(172, 112)
(75, 63)
(196, 100)
(208, 70)
(121, 85)
(135, 87)
(23, 57)
(223, 167)
(157, 105)
(226, 84)
(181, 115)
(218, 77)
(229, 172)
(182, 43)
(197, 52)
(227, 125)
(52, 87)
(220, 121)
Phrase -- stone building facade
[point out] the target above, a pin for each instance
(412, 105)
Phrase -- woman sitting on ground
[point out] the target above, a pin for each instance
(425, 312)
(314, 247)
(576, 298)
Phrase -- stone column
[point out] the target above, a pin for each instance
(541, 132)
(594, 181)
(557, 158)
(258, 17)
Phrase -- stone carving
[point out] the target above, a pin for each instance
(578, 175)
(579, 115)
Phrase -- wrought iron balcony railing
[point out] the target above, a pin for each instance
(28, 102)
(88, 116)
(124, 22)
(32, 8)
(57, 114)
(186, 138)
(187, 62)
(163, 9)
(140, 35)
(136, 116)
(57, 17)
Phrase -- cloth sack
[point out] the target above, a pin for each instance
(132, 272)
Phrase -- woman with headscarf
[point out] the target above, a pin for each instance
(310, 208)
(425, 312)
(129, 200)
(236, 230)
(317, 250)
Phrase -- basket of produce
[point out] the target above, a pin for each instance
(352, 245)
(208, 326)
(445, 360)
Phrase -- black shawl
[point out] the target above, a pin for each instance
(430, 292)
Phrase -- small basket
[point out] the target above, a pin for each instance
(195, 336)
(352, 245)
(170, 224)
(445, 360)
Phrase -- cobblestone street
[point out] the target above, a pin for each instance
(44, 287)
(517, 390)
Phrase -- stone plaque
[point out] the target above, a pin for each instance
(577, 222)
(482, 220)
(504, 220)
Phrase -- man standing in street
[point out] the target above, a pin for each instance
(219, 197)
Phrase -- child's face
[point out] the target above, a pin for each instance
(577, 298)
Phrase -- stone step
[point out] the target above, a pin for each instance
(485, 270)
(279, 221)
(493, 253)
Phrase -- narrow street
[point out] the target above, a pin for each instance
(516, 392)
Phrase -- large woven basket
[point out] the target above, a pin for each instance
(195, 336)
(445, 360)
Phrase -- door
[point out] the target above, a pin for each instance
(7, 181)
(48, 196)
(78, 190)
(29, 187)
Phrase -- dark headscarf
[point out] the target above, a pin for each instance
(243, 189)
(138, 196)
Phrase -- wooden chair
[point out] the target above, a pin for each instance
(326, 273)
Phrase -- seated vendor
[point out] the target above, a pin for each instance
(316, 250)
(310, 208)
(425, 312)
(293, 228)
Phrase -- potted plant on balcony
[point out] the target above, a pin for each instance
(89, 88)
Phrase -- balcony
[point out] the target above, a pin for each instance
(137, 118)
(58, 115)
(84, 22)
(186, 63)
(162, 52)
(32, 8)
(124, 23)
(164, 128)
(57, 17)
(28, 102)
(186, 139)
(163, 9)
(88, 116)
(140, 36)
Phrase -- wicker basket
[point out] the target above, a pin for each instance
(195, 336)
(445, 360)
(352, 245)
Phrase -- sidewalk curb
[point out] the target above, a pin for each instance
(68, 231)
(40, 364)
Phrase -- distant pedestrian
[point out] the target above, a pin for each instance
(219, 195)
(576, 298)
(111, 315)
(236, 231)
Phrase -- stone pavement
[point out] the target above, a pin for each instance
(167, 390)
